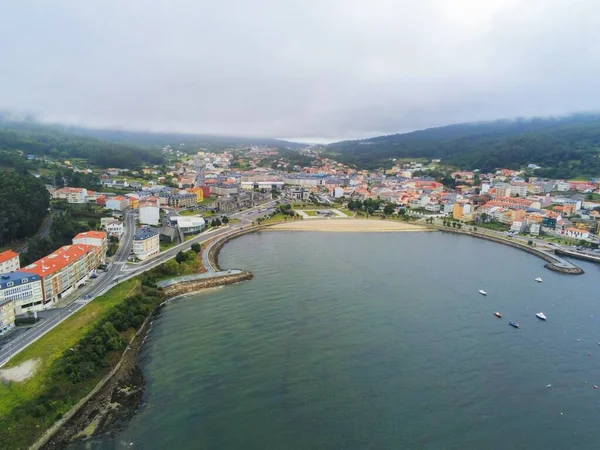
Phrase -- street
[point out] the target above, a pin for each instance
(120, 271)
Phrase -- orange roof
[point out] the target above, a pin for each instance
(91, 234)
(59, 259)
(119, 197)
(8, 254)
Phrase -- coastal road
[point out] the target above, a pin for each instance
(118, 271)
(96, 287)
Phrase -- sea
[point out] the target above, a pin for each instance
(374, 341)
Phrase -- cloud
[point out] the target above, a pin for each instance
(313, 68)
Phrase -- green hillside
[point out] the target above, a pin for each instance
(564, 147)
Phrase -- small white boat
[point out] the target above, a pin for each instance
(541, 316)
(482, 292)
(539, 280)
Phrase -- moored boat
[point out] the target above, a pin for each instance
(513, 324)
(482, 292)
(497, 314)
(539, 280)
(541, 316)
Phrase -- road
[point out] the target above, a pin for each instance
(96, 288)
(120, 271)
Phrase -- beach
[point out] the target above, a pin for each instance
(350, 225)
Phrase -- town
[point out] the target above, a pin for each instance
(169, 204)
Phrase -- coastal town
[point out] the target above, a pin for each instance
(167, 205)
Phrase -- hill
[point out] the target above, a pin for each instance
(192, 141)
(44, 140)
(564, 147)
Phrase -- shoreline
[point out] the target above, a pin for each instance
(348, 226)
(117, 398)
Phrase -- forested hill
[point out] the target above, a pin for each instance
(44, 140)
(192, 141)
(564, 147)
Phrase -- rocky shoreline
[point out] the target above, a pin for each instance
(119, 395)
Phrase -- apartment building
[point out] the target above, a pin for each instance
(95, 238)
(71, 195)
(146, 243)
(24, 290)
(65, 269)
(9, 261)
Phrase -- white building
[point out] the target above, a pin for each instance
(9, 261)
(338, 192)
(577, 233)
(518, 226)
(518, 189)
(149, 213)
(146, 243)
(94, 238)
(534, 229)
(118, 203)
(71, 195)
(190, 224)
(563, 186)
(115, 228)
(24, 289)
(502, 190)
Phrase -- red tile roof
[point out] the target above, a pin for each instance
(8, 254)
(59, 259)
(91, 234)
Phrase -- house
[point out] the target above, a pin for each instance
(502, 190)
(534, 229)
(95, 238)
(518, 189)
(118, 203)
(460, 209)
(9, 261)
(71, 195)
(136, 185)
(65, 269)
(24, 290)
(115, 228)
(518, 226)
(576, 233)
(146, 243)
(121, 184)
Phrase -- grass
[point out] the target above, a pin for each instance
(189, 212)
(55, 342)
(167, 245)
(310, 212)
(496, 226)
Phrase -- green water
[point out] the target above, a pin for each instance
(374, 341)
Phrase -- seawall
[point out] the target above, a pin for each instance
(189, 287)
(554, 263)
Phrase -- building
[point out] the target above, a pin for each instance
(297, 193)
(269, 185)
(244, 200)
(146, 243)
(149, 212)
(71, 195)
(190, 224)
(95, 238)
(7, 316)
(223, 189)
(65, 269)
(24, 290)
(577, 233)
(518, 226)
(118, 203)
(182, 200)
(518, 189)
(9, 261)
(115, 228)
(198, 192)
(502, 190)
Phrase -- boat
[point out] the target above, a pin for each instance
(497, 314)
(541, 316)
(482, 292)
(513, 324)
(539, 280)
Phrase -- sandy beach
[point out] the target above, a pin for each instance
(341, 225)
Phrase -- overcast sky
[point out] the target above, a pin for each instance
(327, 69)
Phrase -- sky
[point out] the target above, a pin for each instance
(310, 70)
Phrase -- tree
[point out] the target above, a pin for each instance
(92, 224)
(529, 242)
(459, 225)
(225, 220)
(196, 247)
(454, 224)
(389, 209)
(180, 257)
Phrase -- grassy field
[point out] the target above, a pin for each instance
(189, 212)
(54, 343)
(310, 212)
(167, 245)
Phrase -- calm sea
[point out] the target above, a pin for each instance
(374, 341)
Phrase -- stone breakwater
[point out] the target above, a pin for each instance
(189, 287)
(213, 253)
(555, 263)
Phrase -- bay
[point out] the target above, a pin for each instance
(374, 341)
